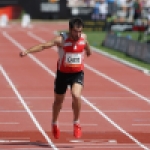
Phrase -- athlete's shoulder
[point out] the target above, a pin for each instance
(64, 35)
(57, 40)
(84, 36)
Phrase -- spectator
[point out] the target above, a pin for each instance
(137, 9)
(121, 14)
(95, 14)
(111, 7)
(121, 3)
(130, 10)
(72, 3)
(103, 9)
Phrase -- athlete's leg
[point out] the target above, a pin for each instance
(57, 105)
(76, 100)
(60, 87)
(76, 106)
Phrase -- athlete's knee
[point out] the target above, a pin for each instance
(58, 100)
(76, 95)
(76, 91)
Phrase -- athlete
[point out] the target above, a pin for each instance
(72, 46)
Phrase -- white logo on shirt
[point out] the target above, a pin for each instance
(75, 47)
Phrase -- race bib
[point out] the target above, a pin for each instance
(73, 59)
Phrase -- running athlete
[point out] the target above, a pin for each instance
(71, 49)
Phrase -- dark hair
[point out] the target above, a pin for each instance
(76, 22)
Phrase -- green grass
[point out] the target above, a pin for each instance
(95, 39)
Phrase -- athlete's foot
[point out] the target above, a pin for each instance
(77, 131)
(55, 131)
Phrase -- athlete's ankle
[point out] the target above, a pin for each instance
(76, 122)
(54, 123)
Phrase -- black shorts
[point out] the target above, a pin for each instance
(62, 81)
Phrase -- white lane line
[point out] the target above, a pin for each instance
(83, 98)
(80, 148)
(126, 111)
(82, 124)
(69, 97)
(42, 111)
(36, 37)
(70, 111)
(117, 83)
(12, 141)
(32, 148)
(8, 123)
(78, 143)
(27, 108)
(140, 124)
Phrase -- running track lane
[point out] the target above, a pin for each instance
(16, 125)
(95, 96)
(25, 76)
(144, 83)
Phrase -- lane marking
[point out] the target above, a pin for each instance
(117, 83)
(83, 124)
(104, 144)
(140, 124)
(12, 141)
(94, 141)
(77, 141)
(36, 37)
(83, 111)
(27, 108)
(69, 97)
(126, 111)
(44, 111)
(37, 61)
(112, 141)
(8, 123)
(84, 147)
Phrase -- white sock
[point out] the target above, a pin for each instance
(76, 122)
(55, 123)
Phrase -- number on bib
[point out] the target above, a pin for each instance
(73, 59)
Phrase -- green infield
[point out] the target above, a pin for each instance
(95, 39)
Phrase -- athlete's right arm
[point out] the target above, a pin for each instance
(55, 42)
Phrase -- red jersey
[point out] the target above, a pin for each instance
(71, 55)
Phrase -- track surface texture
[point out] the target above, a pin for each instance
(115, 101)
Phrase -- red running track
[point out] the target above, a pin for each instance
(115, 98)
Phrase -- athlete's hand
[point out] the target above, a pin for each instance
(22, 54)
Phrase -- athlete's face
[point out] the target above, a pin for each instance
(76, 32)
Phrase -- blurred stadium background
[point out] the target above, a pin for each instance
(120, 27)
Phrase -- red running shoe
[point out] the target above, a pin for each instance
(55, 131)
(77, 131)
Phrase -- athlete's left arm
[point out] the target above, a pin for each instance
(87, 46)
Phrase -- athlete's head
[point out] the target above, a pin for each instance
(75, 28)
